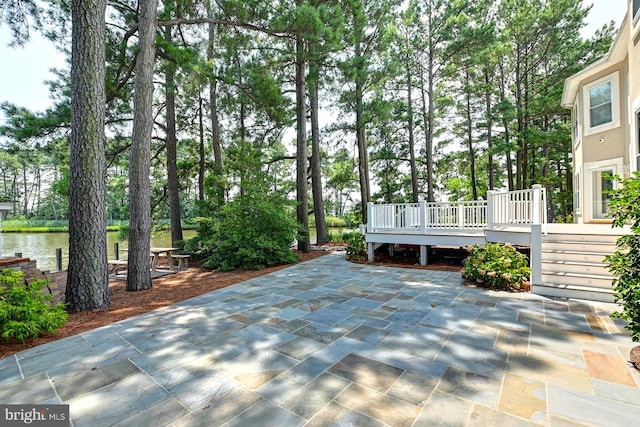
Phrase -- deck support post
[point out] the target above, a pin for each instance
(490, 219)
(370, 251)
(423, 255)
(535, 256)
(536, 205)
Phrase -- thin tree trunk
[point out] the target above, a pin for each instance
(505, 123)
(87, 276)
(322, 235)
(412, 149)
(302, 210)
(173, 186)
(213, 109)
(201, 152)
(138, 267)
(361, 138)
(427, 118)
(472, 154)
(489, 118)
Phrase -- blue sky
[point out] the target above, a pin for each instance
(24, 70)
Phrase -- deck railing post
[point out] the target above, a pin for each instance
(490, 219)
(423, 215)
(537, 197)
(460, 214)
(536, 254)
(369, 216)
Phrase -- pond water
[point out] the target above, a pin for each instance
(42, 246)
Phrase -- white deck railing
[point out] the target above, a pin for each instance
(501, 208)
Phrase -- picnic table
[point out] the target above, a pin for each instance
(157, 253)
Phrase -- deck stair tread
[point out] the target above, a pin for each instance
(577, 275)
(572, 251)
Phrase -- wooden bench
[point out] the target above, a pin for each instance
(183, 261)
(115, 264)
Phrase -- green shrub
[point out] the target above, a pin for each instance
(496, 265)
(624, 264)
(248, 233)
(24, 311)
(356, 248)
(353, 218)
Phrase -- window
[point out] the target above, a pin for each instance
(601, 104)
(600, 111)
(602, 185)
(636, 7)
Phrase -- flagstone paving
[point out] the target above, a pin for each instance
(328, 342)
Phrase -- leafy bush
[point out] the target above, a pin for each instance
(356, 248)
(497, 266)
(248, 233)
(24, 311)
(624, 264)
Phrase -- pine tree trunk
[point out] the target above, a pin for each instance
(138, 268)
(412, 149)
(322, 235)
(173, 186)
(87, 277)
(361, 138)
(302, 209)
(213, 108)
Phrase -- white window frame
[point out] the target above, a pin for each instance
(576, 122)
(634, 148)
(589, 206)
(577, 207)
(614, 78)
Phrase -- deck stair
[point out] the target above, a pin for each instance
(573, 263)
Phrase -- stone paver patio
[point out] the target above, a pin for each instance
(328, 342)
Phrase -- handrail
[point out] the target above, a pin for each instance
(501, 208)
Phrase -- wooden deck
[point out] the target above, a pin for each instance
(567, 260)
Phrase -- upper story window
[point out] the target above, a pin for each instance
(636, 8)
(600, 111)
(602, 104)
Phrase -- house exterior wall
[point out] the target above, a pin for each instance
(612, 147)
(634, 87)
(597, 152)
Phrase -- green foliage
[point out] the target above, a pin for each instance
(248, 233)
(334, 221)
(24, 311)
(624, 207)
(342, 236)
(356, 248)
(499, 266)
(47, 226)
(353, 218)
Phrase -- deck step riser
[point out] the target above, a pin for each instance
(579, 247)
(563, 292)
(584, 238)
(575, 268)
(573, 256)
(587, 281)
